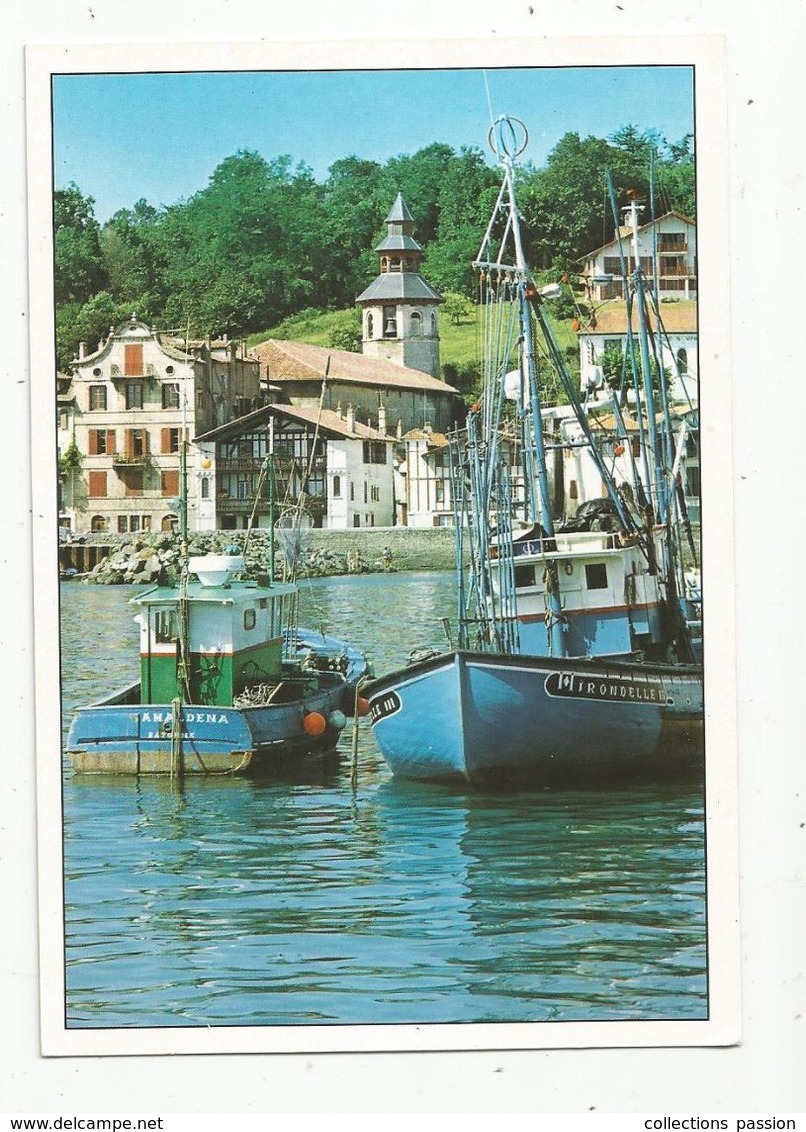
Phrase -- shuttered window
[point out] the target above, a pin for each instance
(170, 484)
(97, 485)
(169, 440)
(101, 442)
(133, 360)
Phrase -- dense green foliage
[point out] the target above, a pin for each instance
(263, 242)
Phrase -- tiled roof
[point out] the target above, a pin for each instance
(328, 420)
(299, 361)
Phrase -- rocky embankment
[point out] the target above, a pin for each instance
(153, 559)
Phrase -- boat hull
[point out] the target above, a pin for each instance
(482, 717)
(120, 735)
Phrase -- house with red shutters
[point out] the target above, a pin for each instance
(133, 400)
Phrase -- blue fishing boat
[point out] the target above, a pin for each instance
(579, 649)
(229, 682)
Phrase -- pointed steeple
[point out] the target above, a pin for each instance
(399, 309)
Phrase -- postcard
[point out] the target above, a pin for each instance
(383, 603)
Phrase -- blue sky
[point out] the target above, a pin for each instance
(159, 136)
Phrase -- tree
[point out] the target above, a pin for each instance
(78, 260)
(458, 308)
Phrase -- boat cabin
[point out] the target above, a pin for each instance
(611, 604)
(233, 630)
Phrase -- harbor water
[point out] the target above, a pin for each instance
(300, 900)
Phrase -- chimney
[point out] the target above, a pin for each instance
(382, 418)
(351, 418)
(82, 349)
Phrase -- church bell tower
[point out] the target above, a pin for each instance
(399, 313)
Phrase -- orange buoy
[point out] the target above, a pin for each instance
(314, 723)
(575, 324)
(362, 706)
(619, 450)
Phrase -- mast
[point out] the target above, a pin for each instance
(508, 138)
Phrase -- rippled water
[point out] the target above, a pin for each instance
(302, 902)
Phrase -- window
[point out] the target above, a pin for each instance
(524, 576)
(134, 523)
(169, 440)
(356, 520)
(135, 443)
(416, 324)
(390, 322)
(123, 524)
(596, 576)
(365, 491)
(133, 360)
(97, 398)
(170, 484)
(352, 493)
(133, 481)
(205, 488)
(337, 487)
(166, 625)
(374, 452)
(682, 360)
(134, 394)
(375, 494)
(97, 485)
(97, 523)
(170, 395)
(440, 490)
(249, 619)
(169, 523)
(369, 324)
(101, 442)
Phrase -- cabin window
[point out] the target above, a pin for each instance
(524, 576)
(249, 619)
(166, 626)
(596, 576)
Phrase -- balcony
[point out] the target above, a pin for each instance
(239, 464)
(119, 460)
(227, 506)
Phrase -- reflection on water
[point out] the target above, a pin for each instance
(298, 901)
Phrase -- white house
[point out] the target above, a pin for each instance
(666, 247)
(340, 469)
(604, 340)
